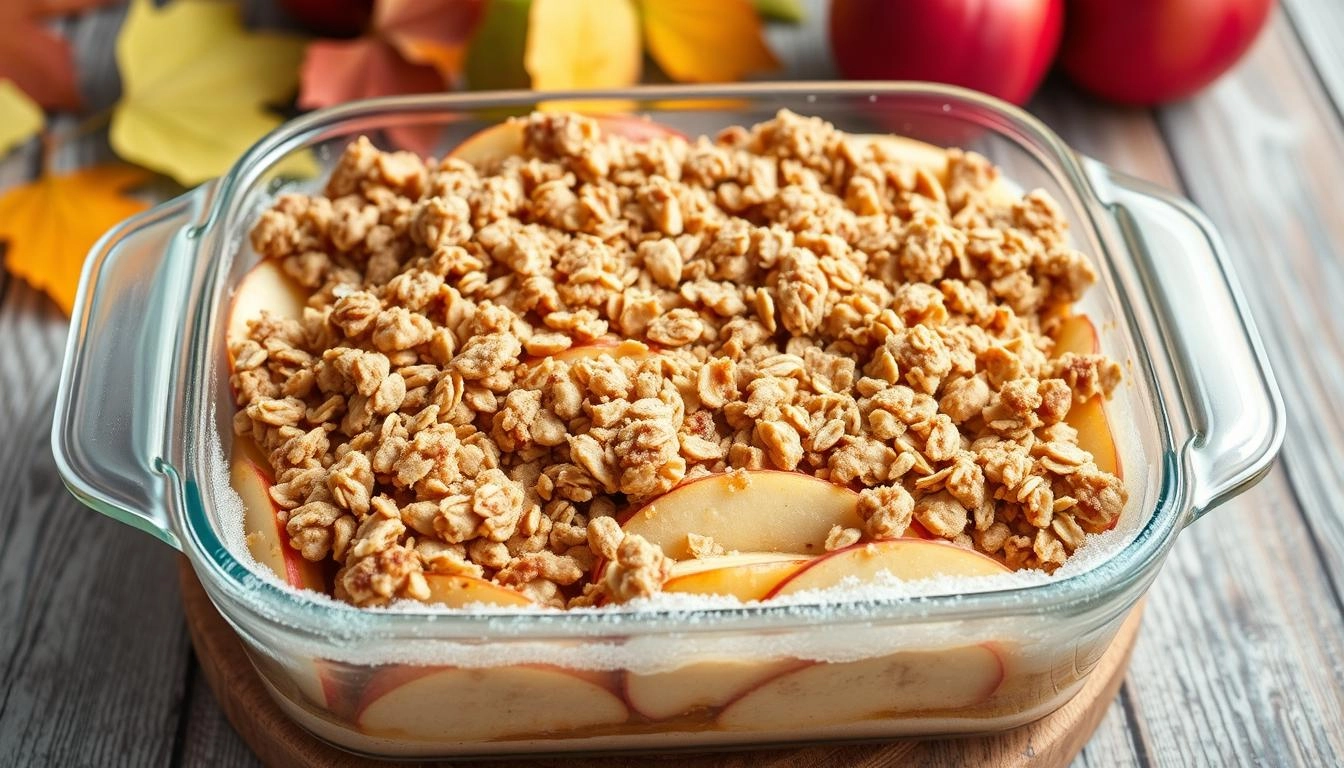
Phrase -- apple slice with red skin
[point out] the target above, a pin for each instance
(824, 694)
(461, 591)
(264, 287)
(1076, 334)
(699, 685)
(505, 139)
(907, 559)
(762, 510)
(747, 576)
(468, 705)
(267, 539)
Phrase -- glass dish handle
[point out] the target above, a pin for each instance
(1234, 405)
(113, 403)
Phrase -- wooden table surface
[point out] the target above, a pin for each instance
(1241, 655)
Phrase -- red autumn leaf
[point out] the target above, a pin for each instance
(37, 60)
(337, 71)
(434, 32)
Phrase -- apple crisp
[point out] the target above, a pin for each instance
(497, 360)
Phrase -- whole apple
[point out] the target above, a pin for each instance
(337, 18)
(1000, 47)
(1146, 52)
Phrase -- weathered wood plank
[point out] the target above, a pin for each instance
(1263, 154)
(1320, 26)
(207, 737)
(1238, 644)
(93, 649)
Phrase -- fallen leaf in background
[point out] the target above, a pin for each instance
(22, 117)
(495, 57)
(706, 41)
(790, 11)
(583, 44)
(434, 32)
(412, 46)
(337, 71)
(34, 57)
(49, 225)
(194, 86)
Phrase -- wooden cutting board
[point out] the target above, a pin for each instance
(1052, 741)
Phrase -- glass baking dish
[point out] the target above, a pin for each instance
(143, 422)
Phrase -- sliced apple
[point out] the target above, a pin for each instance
(465, 705)
(749, 576)
(267, 539)
(505, 139)
(764, 510)
(612, 346)
(461, 591)
(906, 559)
(832, 694)
(912, 151)
(264, 287)
(1078, 335)
(699, 685)
(1094, 433)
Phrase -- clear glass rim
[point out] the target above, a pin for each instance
(226, 577)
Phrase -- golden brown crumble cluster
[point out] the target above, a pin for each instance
(792, 297)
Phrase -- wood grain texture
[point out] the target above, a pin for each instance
(1320, 27)
(1051, 741)
(1240, 644)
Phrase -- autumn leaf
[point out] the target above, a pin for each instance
(706, 41)
(22, 117)
(495, 57)
(582, 44)
(790, 11)
(35, 58)
(433, 32)
(337, 71)
(49, 225)
(194, 86)
(413, 46)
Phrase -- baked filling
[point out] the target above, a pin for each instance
(587, 358)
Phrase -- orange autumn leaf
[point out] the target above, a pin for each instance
(49, 225)
(706, 41)
(582, 44)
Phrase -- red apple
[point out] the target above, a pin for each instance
(335, 18)
(1158, 50)
(1001, 47)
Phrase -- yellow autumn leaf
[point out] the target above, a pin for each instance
(20, 117)
(49, 225)
(706, 41)
(582, 44)
(195, 85)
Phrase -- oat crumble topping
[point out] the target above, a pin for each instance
(785, 296)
